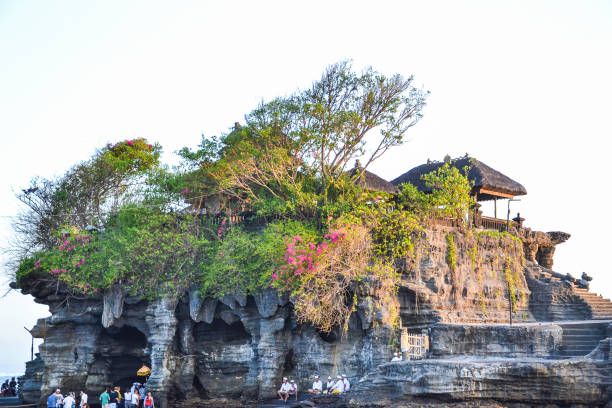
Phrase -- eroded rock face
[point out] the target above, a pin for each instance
(238, 349)
(473, 287)
(540, 246)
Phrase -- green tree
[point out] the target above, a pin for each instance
(292, 153)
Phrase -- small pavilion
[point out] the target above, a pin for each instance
(487, 183)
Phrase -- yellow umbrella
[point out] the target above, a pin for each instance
(143, 371)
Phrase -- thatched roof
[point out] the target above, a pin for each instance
(488, 183)
(371, 181)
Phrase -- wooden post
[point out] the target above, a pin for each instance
(405, 344)
(495, 207)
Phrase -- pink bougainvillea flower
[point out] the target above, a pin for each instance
(185, 191)
(129, 142)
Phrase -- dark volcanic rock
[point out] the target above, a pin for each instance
(535, 381)
(198, 349)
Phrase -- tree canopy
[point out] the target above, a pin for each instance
(124, 217)
(292, 153)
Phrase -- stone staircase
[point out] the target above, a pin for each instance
(580, 338)
(552, 299)
(601, 308)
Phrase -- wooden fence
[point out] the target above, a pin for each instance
(489, 223)
(414, 345)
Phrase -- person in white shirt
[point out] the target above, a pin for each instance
(283, 392)
(83, 399)
(347, 384)
(127, 397)
(329, 385)
(396, 357)
(317, 386)
(338, 387)
(292, 390)
(68, 401)
(135, 397)
(60, 398)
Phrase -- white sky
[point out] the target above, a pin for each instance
(522, 85)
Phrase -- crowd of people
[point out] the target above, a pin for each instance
(9, 388)
(136, 397)
(340, 386)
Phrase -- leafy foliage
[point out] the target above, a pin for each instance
(148, 251)
(84, 196)
(291, 155)
(123, 218)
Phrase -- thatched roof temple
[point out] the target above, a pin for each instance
(370, 181)
(488, 183)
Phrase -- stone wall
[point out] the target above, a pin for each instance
(532, 381)
(527, 340)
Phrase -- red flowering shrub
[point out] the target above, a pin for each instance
(325, 278)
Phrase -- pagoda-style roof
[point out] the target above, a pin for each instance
(371, 181)
(488, 183)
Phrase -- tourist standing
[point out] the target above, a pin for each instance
(143, 393)
(69, 401)
(148, 401)
(113, 398)
(52, 401)
(84, 397)
(127, 398)
(105, 398)
(135, 398)
(59, 399)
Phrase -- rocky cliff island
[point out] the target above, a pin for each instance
(264, 256)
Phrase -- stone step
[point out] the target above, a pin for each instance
(579, 339)
(584, 338)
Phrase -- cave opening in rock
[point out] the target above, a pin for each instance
(122, 370)
(220, 331)
(128, 336)
(289, 363)
(329, 337)
(124, 351)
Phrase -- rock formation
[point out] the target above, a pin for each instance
(237, 349)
